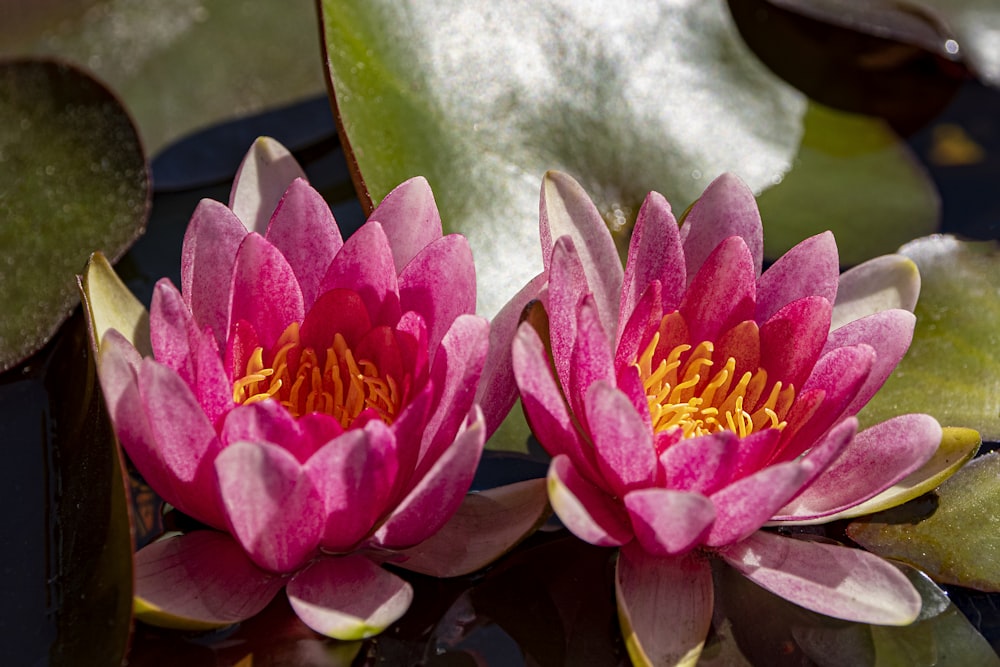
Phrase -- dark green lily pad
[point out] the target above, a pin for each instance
(72, 180)
(954, 535)
(952, 370)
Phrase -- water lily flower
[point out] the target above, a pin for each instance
(690, 400)
(312, 402)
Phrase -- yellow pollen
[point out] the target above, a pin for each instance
(331, 381)
(683, 392)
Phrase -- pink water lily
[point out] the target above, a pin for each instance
(312, 401)
(689, 400)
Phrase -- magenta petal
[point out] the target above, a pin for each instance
(566, 210)
(747, 504)
(664, 606)
(588, 512)
(497, 391)
(567, 287)
(592, 356)
(622, 439)
(702, 465)
(636, 332)
(793, 338)
(822, 453)
(833, 580)
(348, 597)
(185, 441)
(364, 264)
(543, 403)
(269, 421)
(812, 268)
(410, 219)
(876, 459)
(486, 525)
(654, 254)
(721, 295)
(304, 230)
(354, 476)
(889, 333)
(272, 507)
(727, 208)
(455, 373)
(264, 175)
(668, 522)
(265, 290)
(336, 311)
(203, 576)
(440, 284)
(435, 497)
(210, 244)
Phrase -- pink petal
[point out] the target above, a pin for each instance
(747, 504)
(822, 453)
(543, 403)
(354, 476)
(202, 576)
(721, 295)
(410, 219)
(497, 391)
(364, 264)
(587, 511)
(592, 356)
(185, 441)
(265, 173)
(348, 597)
(269, 421)
(409, 427)
(889, 332)
(273, 510)
(567, 287)
(566, 210)
(335, 311)
(622, 439)
(876, 459)
(440, 284)
(792, 339)
(486, 525)
(883, 283)
(701, 465)
(668, 522)
(455, 373)
(265, 291)
(636, 332)
(727, 208)
(304, 230)
(664, 606)
(435, 497)
(654, 254)
(209, 254)
(833, 580)
(811, 268)
(630, 384)
(756, 451)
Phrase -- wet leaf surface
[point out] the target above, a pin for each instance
(72, 180)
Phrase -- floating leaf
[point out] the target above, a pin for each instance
(953, 536)
(72, 180)
(952, 370)
(891, 198)
(482, 98)
(182, 64)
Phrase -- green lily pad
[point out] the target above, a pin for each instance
(482, 98)
(181, 64)
(954, 535)
(952, 370)
(891, 200)
(72, 179)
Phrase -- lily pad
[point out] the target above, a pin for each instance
(953, 536)
(181, 64)
(891, 201)
(72, 179)
(482, 98)
(952, 370)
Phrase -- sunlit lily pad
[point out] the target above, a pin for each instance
(482, 98)
(952, 370)
(891, 198)
(72, 179)
(953, 536)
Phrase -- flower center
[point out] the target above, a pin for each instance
(685, 392)
(331, 381)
